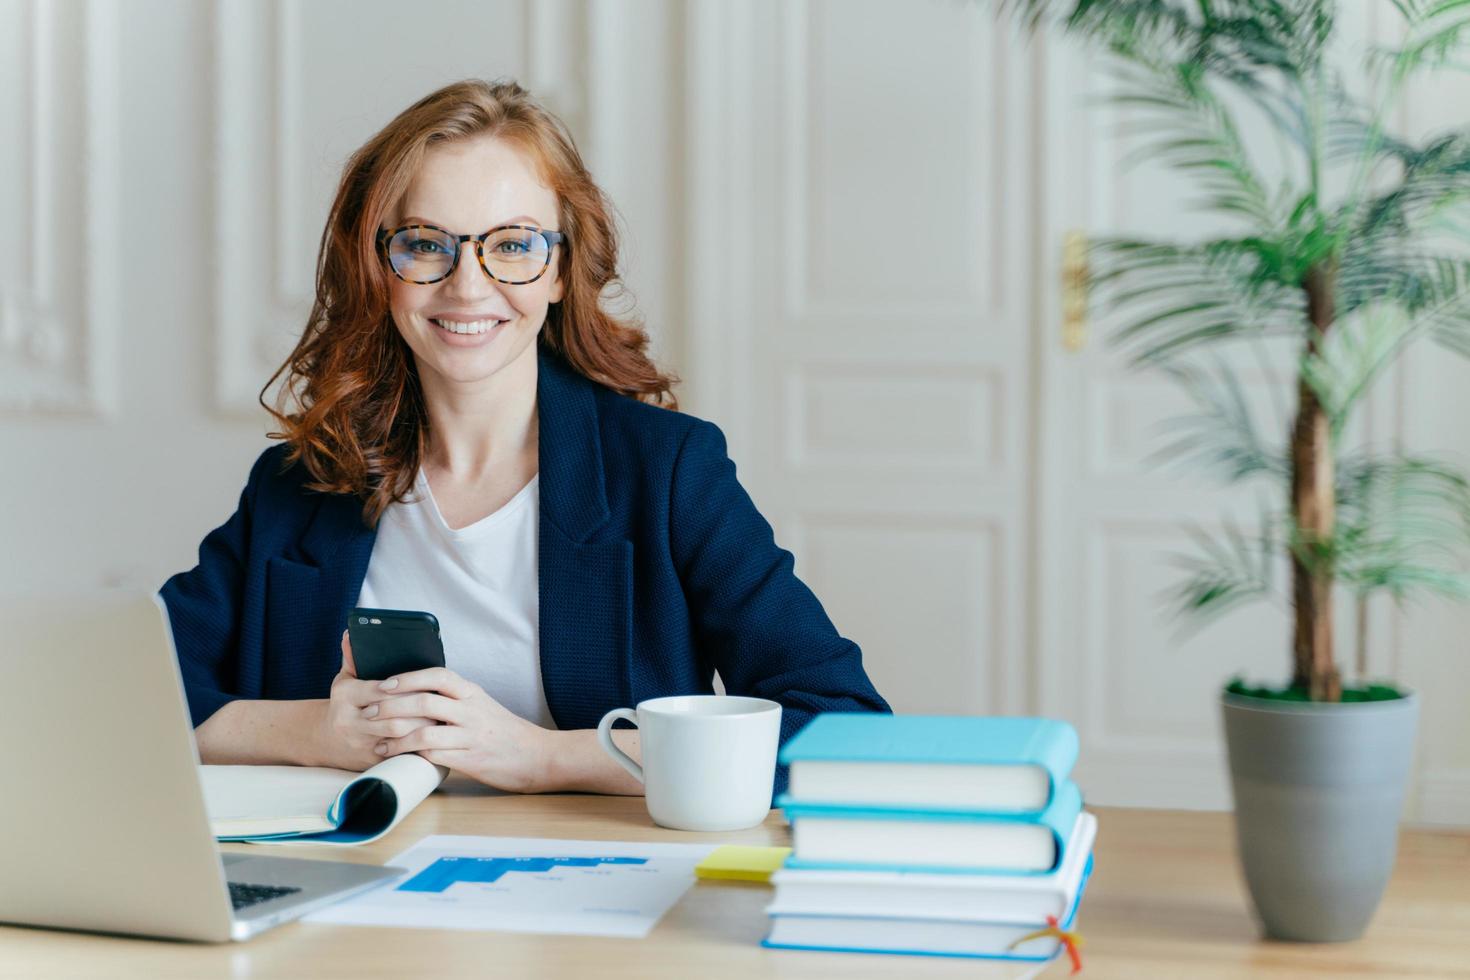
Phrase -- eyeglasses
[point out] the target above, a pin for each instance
(512, 254)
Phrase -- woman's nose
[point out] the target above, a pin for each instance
(469, 279)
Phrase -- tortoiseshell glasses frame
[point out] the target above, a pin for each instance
(551, 238)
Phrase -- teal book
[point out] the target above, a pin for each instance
(972, 842)
(930, 762)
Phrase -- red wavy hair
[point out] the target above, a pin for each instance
(351, 407)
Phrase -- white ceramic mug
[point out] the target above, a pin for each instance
(709, 760)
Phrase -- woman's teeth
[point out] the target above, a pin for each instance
(475, 326)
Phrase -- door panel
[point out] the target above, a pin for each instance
(863, 335)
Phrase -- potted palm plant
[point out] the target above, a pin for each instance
(1344, 257)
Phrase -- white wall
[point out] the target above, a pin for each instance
(217, 130)
(114, 464)
(220, 129)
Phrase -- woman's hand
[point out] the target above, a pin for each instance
(350, 734)
(478, 736)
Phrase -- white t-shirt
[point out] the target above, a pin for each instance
(480, 582)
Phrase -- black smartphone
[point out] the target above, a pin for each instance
(386, 642)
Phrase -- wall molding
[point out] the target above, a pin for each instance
(718, 107)
(243, 303)
(979, 387)
(58, 345)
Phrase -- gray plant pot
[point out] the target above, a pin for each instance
(1318, 792)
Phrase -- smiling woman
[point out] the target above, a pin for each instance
(467, 431)
(493, 306)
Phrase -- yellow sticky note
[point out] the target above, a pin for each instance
(734, 863)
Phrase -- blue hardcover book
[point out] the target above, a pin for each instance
(968, 842)
(924, 937)
(930, 762)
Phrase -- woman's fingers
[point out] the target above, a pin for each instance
(440, 679)
(448, 758)
(359, 694)
(428, 737)
(396, 727)
(420, 705)
(358, 723)
(349, 666)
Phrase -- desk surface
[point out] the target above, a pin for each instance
(1165, 901)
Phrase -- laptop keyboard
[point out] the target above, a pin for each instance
(243, 896)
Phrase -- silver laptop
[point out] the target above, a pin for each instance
(103, 825)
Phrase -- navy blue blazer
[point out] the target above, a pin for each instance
(655, 571)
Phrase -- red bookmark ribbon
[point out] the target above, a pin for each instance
(1071, 940)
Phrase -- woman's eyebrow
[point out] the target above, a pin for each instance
(416, 219)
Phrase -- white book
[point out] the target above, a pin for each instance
(311, 805)
(1014, 847)
(918, 936)
(1021, 899)
(887, 839)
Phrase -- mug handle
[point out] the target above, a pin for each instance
(604, 736)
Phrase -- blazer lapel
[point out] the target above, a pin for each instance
(586, 586)
(315, 595)
(337, 540)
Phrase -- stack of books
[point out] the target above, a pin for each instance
(957, 836)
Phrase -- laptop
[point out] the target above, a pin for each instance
(103, 826)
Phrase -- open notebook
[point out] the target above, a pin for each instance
(301, 804)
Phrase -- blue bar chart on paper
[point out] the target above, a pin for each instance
(516, 884)
(488, 870)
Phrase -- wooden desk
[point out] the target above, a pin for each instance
(1166, 902)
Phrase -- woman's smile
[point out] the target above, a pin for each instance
(457, 332)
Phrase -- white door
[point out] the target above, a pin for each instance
(858, 207)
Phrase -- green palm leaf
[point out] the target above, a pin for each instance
(1224, 571)
(1173, 298)
(1435, 177)
(1437, 31)
(1387, 304)
(1192, 131)
(1222, 436)
(1403, 526)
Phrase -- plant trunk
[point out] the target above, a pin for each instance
(1361, 674)
(1313, 509)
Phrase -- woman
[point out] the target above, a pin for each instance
(468, 432)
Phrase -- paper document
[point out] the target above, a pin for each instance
(515, 884)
